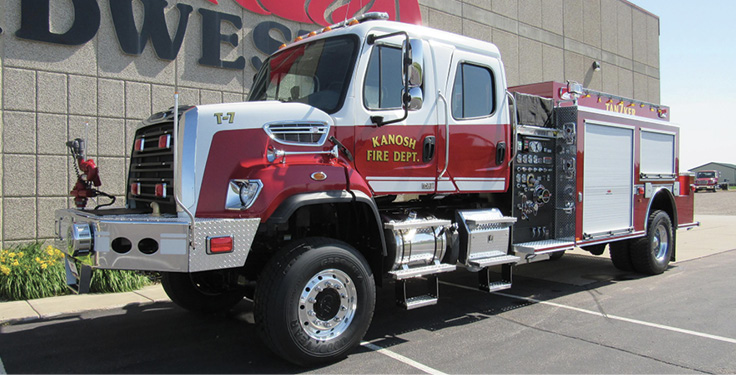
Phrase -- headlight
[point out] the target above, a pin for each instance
(241, 194)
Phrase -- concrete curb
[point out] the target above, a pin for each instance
(22, 311)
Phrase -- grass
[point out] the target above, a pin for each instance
(33, 271)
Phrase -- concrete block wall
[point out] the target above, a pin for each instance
(543, 40)
(51, 93)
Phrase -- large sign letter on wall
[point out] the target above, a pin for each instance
(212, 38)
(265, 43)
(154, 27)
(34, 22)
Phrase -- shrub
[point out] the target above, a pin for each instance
(33, 271)
(29, 272)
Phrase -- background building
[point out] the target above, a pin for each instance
(728, 171)
(91, 74)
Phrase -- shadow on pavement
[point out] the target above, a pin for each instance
(163, 338)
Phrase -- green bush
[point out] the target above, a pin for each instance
(32, 271)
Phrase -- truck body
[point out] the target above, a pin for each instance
(707, 180)
(374, 152)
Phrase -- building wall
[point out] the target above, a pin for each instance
(51, 93)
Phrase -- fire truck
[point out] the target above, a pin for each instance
(373, 153)
(706, 180)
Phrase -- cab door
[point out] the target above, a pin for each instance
(479, 129)
(397, 158)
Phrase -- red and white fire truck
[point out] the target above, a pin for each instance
(374, 152)
(707, 180)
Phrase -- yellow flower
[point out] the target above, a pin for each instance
(5, 270)
(20, 255)
(11, 255)
(15, 264)
(38, 259)
(49, 250)
(44, 266)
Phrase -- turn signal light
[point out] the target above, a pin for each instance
(219, 245)
(135, 188)
(161, 190)
(139, 144)
(164, 141)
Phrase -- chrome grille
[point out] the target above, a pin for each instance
(151, 165)
(299, 134)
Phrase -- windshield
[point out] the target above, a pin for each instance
(706, 175)
(316, 73)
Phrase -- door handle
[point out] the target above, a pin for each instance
(500, 153)
(428, 150)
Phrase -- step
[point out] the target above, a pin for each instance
(409, 273)
(493, 261)
(496, 286)
(486, 284)
(419, 301)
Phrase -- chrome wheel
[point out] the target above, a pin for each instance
(660, 243)
(327, 304)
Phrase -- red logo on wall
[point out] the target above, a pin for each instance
(316, 11)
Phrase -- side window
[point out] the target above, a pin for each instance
(472, 94)
(383, 81)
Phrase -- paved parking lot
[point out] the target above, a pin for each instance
(575, 315)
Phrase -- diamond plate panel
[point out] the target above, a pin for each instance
(566, 166)
(242, 230)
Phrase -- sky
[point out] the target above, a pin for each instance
(697, 44)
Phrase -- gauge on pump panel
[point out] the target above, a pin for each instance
(519, 158)
(535, 146)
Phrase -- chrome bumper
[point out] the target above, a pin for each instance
(147, 243)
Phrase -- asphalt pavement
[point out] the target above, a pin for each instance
(575, 315)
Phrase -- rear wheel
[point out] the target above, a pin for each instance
(598, 249)
(556, 255)
(620, 255)
(314, 301)
(202, 292)
(651, 254)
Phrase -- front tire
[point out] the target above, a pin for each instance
(314, 301)
(202, 292)
(651, 254)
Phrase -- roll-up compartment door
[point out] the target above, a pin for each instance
(607, 178)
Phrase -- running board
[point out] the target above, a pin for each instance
(410, 273)
(493, 261)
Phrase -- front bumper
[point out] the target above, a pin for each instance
(115, 239)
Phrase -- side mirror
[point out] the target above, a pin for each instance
(413, 72)
(415, 99)
(414, 63)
